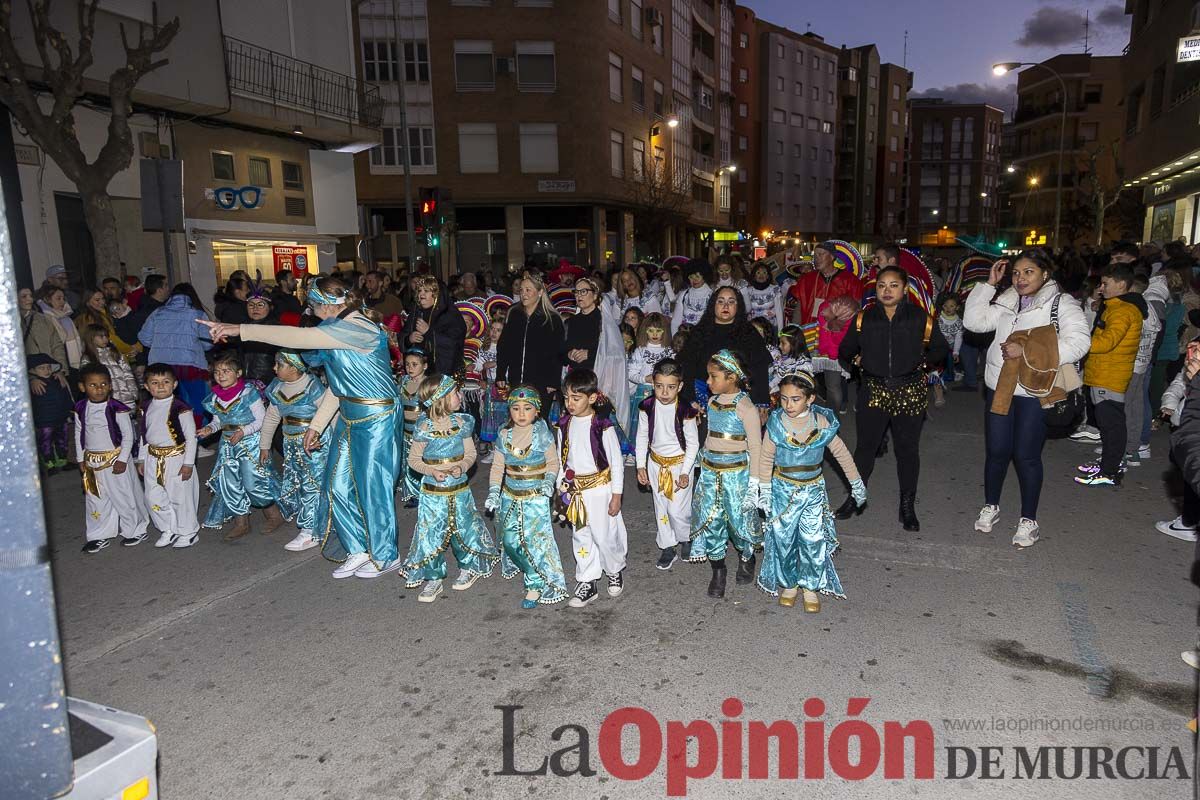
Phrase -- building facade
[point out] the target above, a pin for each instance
(747, 122)
(891, 162)
(1161, 76)
(249, 131)
(592, 131)
(857, 145)
(1090, 127)
(954, 160)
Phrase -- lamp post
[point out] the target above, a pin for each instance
(1004, 68)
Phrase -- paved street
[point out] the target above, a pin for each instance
(267, 679)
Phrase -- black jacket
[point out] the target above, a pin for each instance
(530, 350)
(892, 348)
(284, 303)
(744, 340)
(445, 337)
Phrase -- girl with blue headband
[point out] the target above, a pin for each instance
(416, 362)
(524, 469)
(294, 397)
(726, 493)
(443, 451)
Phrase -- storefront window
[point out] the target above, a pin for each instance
(261, 257)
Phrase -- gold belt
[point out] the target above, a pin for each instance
(737, 437)
(522, 494)
(724, 467)
(576, 511)
(797, 480)
(231, 428)
(435, 461)
(425, 487)
(93, 462)
(297, 420)
(525, 469)
(666, 481)
(370, 401)
(526, 476)
(161, 454)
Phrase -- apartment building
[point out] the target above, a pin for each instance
(891, 161)
(1089, 122)
(954, 160)
(1161, 146)
(549, 124)
(252, 123)
(857, 132)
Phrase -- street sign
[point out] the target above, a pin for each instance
(1189, 49)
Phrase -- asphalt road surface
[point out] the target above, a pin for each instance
(268, 679)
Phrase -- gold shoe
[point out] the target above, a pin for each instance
(787, 598)
(812, 602)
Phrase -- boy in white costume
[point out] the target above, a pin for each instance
(167, 460)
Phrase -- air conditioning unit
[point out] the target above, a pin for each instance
(148, 145)
(653, 17)
(506, 65)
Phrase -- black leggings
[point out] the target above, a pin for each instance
(871, 425)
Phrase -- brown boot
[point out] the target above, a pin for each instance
(241, 526)
(272, 519)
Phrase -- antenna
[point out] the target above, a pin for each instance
(904, 63)
(1086, 25)
(808, 27)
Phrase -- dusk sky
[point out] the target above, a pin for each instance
(952, 45)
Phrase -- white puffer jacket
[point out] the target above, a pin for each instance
(985, 312)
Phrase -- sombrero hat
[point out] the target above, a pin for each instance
(474, 316)
(971, 269)
(981, 246)
(845, 256)
(497, 302)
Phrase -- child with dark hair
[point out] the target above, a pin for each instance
(800, 538)
(168, 459)
(104, 440)
(592, 480)
(793, 355)
(667, 443)
(416, 363)
(239, 481)
(52, 405)
(727, 490)
(652, 347)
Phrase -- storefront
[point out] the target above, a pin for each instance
(1173, 208)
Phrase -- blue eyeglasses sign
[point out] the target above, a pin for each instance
(228, 198)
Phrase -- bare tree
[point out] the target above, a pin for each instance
(658, 202)
(1102, 196)
(52, 124)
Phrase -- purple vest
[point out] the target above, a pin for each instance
(111, 410)
(683, 411)
(599, 426)
(178, 409)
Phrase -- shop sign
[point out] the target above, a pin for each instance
(556, 186)
(230, 198)
(1189, 49)
(290, 257)
(28, 154)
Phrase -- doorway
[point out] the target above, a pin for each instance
(78, 256)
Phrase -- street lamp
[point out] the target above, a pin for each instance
(1033, 181)
(1003, 68)
(1012, 168)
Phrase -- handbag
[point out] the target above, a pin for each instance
(1066, 412)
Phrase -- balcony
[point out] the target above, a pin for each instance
(1029, 113)
(704, 65)
(703, 163)
(282, 81)
(702, 115)
(705, 14)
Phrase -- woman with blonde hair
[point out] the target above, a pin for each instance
(530, 349)
(435, 326)
(629, 290)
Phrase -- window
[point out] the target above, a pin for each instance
(1088, 131)
(795, 210)
(743, 143)
(614, 11)
(535, 67)
(779, 178)
(779, 146)
(829, 98)
(895, 91)
(743, 40)
(813, 123)
(741, 176)
(797, 151)
(639, 159)
(416, 62)
(379, 60)
(799, 56)
(1092, 93)
(293, 176)
(779, 211)
(615, 78)
(779, 51)
(778, 115)
(635, 18)
(893, 144)
(260, 171)
(797, 120)
(474, 67)
(812, 154)
(477, 151)
(816, 62)
(388, 153)
(851, 74)
(743, 76)
(539, 147)
(799, 89)
(616, 153)
(932, 136)
(828, 156)
(830, 66)
(828, 184)
(870, 137)
(637, 88)
(796, 179)
(779, 84)
(222, 166)
(743, 110)
(827, 127)
(812, 182)
(658, 98)
(893, 167)
(814, 93)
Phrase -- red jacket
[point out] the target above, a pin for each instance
(813, 289)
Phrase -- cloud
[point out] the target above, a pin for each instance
(1054, 26)
(995, 95)
(1112, 16)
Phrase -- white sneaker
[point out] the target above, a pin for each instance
(369, 570)
(1085, 434)
(1176, 529)
(429, 591)
(464, 581)
(185, 541)
(205, 452)
(630, 461)
(987, 518)
(351, 565)
(1191, 658)
(1132, 460)
(1144, 452)
(303, 541)
(1027, 533)
(165, 540)
(487, 457)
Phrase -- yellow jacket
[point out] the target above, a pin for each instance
(1115, 343)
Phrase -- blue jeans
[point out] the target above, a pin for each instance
(968, 354)
(1015, 437)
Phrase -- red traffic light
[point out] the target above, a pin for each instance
(428, 206)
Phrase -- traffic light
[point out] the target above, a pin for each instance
(430, 221)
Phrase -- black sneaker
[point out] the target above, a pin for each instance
(133, 541)
(585, 593)
(96, 545)
(667, 558)
(615, 585)
(685, 550)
